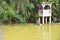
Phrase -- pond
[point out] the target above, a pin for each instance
(31, 32)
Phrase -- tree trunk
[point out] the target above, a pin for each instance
(18, 5)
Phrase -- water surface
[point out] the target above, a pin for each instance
(32, 32)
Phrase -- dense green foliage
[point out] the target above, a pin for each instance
(8, 13)
(22, 11)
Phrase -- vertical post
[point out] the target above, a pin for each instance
(43, 19)
(50, 20)
(46, 20)
(39, 20)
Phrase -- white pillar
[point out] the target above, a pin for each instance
(39, 19)
(50, 20)
(43, 19)
(46, 20)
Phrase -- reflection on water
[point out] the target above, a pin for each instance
(46, 32)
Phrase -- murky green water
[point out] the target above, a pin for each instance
(32, 32)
